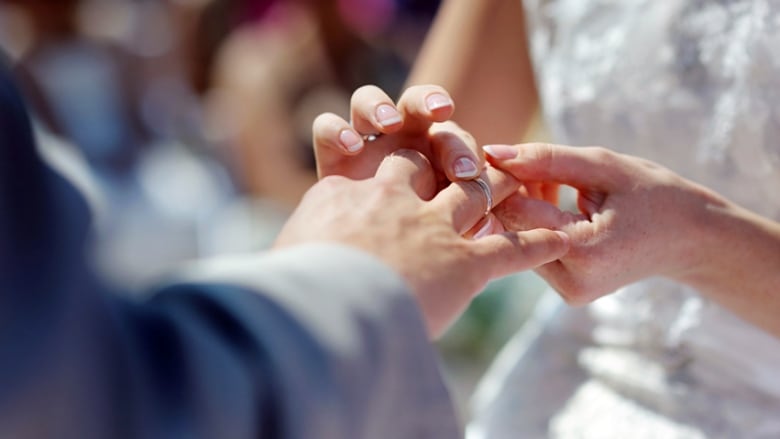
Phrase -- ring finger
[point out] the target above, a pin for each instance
(456, 151)
(467, 201)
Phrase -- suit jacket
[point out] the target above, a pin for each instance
(318, 341)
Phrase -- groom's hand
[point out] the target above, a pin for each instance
(420, 239)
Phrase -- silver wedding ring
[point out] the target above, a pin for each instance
(488, 194)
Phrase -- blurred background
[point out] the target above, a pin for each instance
(187, 125)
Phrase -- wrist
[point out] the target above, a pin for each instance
(710, 220)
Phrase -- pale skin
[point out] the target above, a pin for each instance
(426, 235)
(420, 239)
(453, 152)
(637, 218)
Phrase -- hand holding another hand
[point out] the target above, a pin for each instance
(420, 239)
(637, 219)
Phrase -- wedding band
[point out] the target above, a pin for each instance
(371, 137)
(488, 194)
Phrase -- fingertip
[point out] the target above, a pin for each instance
(464, 168)
(387, 116)
(351, 141)
(500, 152)
(330, 131)
(422, 105)
(439, 106)
(456, 151)
(373, 111)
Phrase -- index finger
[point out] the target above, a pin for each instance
(511, 252)
(581, 167)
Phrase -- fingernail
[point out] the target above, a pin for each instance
(436, 101)
(465, 168)
(387, 115)
(485, 230)
(500, 152)
(350, 140)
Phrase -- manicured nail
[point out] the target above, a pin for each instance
(485, 230)
(436, 101)
(350, 140)
(465, 168)
(500, 152)
(387, 115)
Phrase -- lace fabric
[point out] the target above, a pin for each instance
(695, 86)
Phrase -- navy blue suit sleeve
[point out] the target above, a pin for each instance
(319, 341)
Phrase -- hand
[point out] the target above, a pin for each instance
(420, 239)
(418, 122)
(637, 219)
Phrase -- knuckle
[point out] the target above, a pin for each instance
(384, 189)
(602, 154)
(414, 156)
(331, 182)
(541, 153)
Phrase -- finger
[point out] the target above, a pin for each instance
(533, 189)
(333, 132)
(550, 192)
(489, 225)
(466, 201)
(372, 111)
(512, 252)
(557, 275)
(581, 167)
(519, 212)
(411, 168)
(422, 105)
(333, 138)
(455, 152)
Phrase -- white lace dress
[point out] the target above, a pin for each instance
(694, 85)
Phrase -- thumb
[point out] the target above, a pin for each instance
(511, 252)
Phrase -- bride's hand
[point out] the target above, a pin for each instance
(418, 122)
(637, 219)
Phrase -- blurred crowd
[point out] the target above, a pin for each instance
(188, 121)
